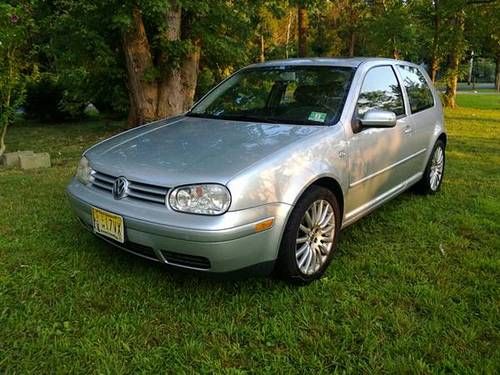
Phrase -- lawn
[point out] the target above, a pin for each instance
(414, 289)
(481, 100)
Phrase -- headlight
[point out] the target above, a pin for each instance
(206, 199)
(83, 171)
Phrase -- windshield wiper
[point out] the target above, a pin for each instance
(250, 118)
(235, 117)
(255, 119)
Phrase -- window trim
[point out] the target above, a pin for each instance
(391, 66)
(397, 65)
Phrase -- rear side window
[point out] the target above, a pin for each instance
(419, 93)
(381, 91)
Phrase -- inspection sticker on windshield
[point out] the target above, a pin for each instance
(317, 116)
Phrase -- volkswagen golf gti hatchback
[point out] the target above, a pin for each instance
(266, 169)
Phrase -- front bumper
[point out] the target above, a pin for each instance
(216, 244)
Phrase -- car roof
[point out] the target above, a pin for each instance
(352, 62)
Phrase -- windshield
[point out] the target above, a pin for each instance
(311, 95)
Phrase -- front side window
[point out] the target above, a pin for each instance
(380, 91)
(313, 95)
(419, 93)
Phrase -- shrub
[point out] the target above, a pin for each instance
(46, 100)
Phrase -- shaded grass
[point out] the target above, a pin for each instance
(414, 287)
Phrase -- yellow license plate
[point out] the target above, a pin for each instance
(108, 224)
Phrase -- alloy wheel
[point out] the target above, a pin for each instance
(315, 237)
(436, 170)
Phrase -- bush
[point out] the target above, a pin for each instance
(46, 101)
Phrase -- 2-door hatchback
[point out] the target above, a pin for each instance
(266, 169)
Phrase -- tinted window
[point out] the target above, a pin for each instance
(296, 95)
(418, 91)
(380, 90)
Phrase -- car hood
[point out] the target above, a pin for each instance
(187, 150)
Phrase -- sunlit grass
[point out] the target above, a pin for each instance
(414, 287)
(481, 100)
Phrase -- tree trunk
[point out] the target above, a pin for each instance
(262, 49)
(2, 138)
(452, 81)
(449, 98)
(288, 27)
(167, 88)
(189, 75)
(303, 26)
(396, 54)
(435, 42)
(138, 60)
(434, 68)
(170, 96)
(497, 73)
(4, 117)
(352, 43)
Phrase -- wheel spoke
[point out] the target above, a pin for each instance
(324, 214)
(320, 212)
(305, 257)
(309, 258)
(308, 219)
(304, 229)
(302, 249)
(323, 249)
(326, 221)
(328, 229)
(301, 240)
(314, 213)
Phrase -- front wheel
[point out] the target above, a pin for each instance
(434, 171)
(310, 236)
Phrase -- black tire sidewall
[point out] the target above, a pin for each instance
(287, 264)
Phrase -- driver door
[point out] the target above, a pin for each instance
(375, 154)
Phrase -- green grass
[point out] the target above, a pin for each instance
(414, 288)
(488, 100)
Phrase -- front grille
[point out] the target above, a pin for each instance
(186, 260)
(136, 190)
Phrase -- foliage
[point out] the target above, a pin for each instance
(79, 42)
(43, 98)
(14, 25)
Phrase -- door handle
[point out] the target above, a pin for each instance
(408, 130)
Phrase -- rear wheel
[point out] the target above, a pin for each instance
(310, 236)
(434, 171)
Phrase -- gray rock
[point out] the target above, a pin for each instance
(39, 160)
(12, 159)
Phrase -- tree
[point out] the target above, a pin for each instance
(456, 50)
(303, 28)
(391, 29)
(456, 43)
(14, 24)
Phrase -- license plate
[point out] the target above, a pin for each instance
(108, 224)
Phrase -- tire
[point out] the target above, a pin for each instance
(319, 245)
(435, 167)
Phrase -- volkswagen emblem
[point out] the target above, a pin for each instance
(120, 188)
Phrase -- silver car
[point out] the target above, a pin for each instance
(266, 169)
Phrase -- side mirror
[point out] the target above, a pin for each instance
(376, 118)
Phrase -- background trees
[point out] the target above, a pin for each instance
(15, 22)
(151, 58)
